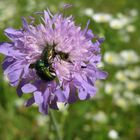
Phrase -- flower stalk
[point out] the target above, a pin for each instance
(55, 125)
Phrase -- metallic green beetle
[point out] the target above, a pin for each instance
(44, 71)
(43, 66)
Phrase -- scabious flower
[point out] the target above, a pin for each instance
(54, 61)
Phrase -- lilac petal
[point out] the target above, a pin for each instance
(43, 109)
(66, 6)
(29, 102)
(72, 97)
(13, 67)
(82, 94)
(19, 91)
(8, 50)
(66, 91)
(63, 95)
(89, 34)
(101, 40)
(28, 88)
(15, 83)
(19, 44)
(25, 24)
(13, 34)
(5, 48)
(87, 87)
(93, 93)
(73, 93)
(7, 62)
(95, 47)
(46, 16)
(101, 74)
(46, 95)
(26, 71)
(14, 77)
(95, 59)
(13, 71)
(60, 95)
(86, 28)
(38, 97)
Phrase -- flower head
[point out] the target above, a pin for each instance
(55, 61)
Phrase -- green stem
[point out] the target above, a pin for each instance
(55, 124)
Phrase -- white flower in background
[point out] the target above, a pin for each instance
(41, 120)
(109, 88)
(129, 56)
(119, 23)
(121, 76)
(62, 107)
(112, 58)
(133, 73)
(124, 36)
(133, 12)
(116, 24)
(89, 12)
(132, 98)
(100, 117)
(113, 134)
(130, 28)
(100, 65)
(122, 103)
(137, 100)
(131, 85)
(129, 95)
(102, 17)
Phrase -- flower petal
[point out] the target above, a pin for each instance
(5, 48)
(38, 97)
(43, 108)
(60, 95)
(19, 91)
(87, 87)
(8, 50)
(7, 62)
(101, 74)
(25, 24)
(14, 77)
(82, 94)
(13, 67)
(29, 102)
(13, 34)
(28, 88)
(53, 104)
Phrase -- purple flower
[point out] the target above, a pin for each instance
(54, 61)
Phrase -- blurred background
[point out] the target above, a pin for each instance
(114, 113)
